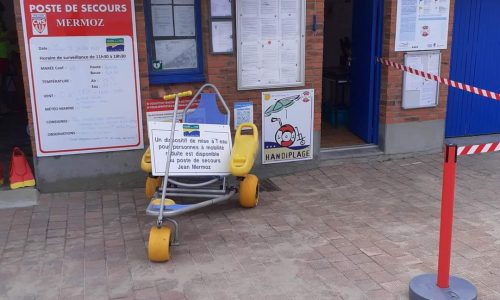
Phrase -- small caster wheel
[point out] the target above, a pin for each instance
(249, 191)
(159, 244)
(152, 183)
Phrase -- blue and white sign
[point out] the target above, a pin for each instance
(243, 113)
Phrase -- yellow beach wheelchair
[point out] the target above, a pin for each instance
(197, 191)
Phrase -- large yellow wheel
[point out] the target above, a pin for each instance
(249, 191)
(152, 183)
(159, 244)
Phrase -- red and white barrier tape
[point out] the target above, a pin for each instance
(442, 80)
(478, 149)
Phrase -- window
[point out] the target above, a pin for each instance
(175, 52)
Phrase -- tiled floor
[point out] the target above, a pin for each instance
(332, 137)
(353, 229)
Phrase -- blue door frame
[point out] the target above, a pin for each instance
(364, 108)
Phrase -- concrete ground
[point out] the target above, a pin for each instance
(353, 229)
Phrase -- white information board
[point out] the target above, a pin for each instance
(270, 43)
(222, 36)
(419, 92)
(198, 149)
(83, 76)
(287, 126)
(422, 25)
(220, 8)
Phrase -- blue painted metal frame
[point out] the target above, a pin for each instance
(474, 60)
(366, 73)
(174, 76)
(378, 69)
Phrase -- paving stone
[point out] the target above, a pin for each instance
(360, 229)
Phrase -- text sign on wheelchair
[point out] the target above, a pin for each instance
(198, 149)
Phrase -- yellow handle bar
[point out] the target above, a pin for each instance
(183, 94)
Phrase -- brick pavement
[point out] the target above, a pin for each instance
(353, 229)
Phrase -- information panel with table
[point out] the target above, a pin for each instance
(271, 37)
(83, 75)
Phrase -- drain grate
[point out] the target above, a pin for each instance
(267, 185)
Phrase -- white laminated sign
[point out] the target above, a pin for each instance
(198, 149)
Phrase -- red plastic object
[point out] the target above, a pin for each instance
(20, 171)
(448, 194)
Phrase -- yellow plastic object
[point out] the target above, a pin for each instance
(167, 202)
(244, 150)
(152, 183)
(146, 161)
(159, 244)
(26, 183)
(249, 191)
(182, 94)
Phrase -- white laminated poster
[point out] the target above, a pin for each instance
(243, 113)
(422, 25)
(269, 7)
(222, 36)
(271, 43)
(289, 7)
(83, 75)
(287, 126)
(197, 149)
(163, 23)
(250, 29)
(249, 7)
(177, 54)
(220, 8)
(413, 82)
(428, 93)
(269, 28)
(184, 21)
(251, 55)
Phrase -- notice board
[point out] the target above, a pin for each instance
(420, 92)
(270, 43)
(287, 126)
(83, 75)
(422, 25)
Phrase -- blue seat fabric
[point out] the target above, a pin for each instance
(207, 112)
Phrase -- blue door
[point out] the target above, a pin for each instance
(475, 60)
(365, 81)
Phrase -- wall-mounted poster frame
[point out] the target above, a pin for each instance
(419, 92)
(276, 59)
(221, 27)
(422, 25)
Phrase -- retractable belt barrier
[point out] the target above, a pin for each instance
(442, 285)
(442, 80)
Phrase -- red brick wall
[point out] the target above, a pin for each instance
(19, 25)
(392, 80)
(220, 70)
